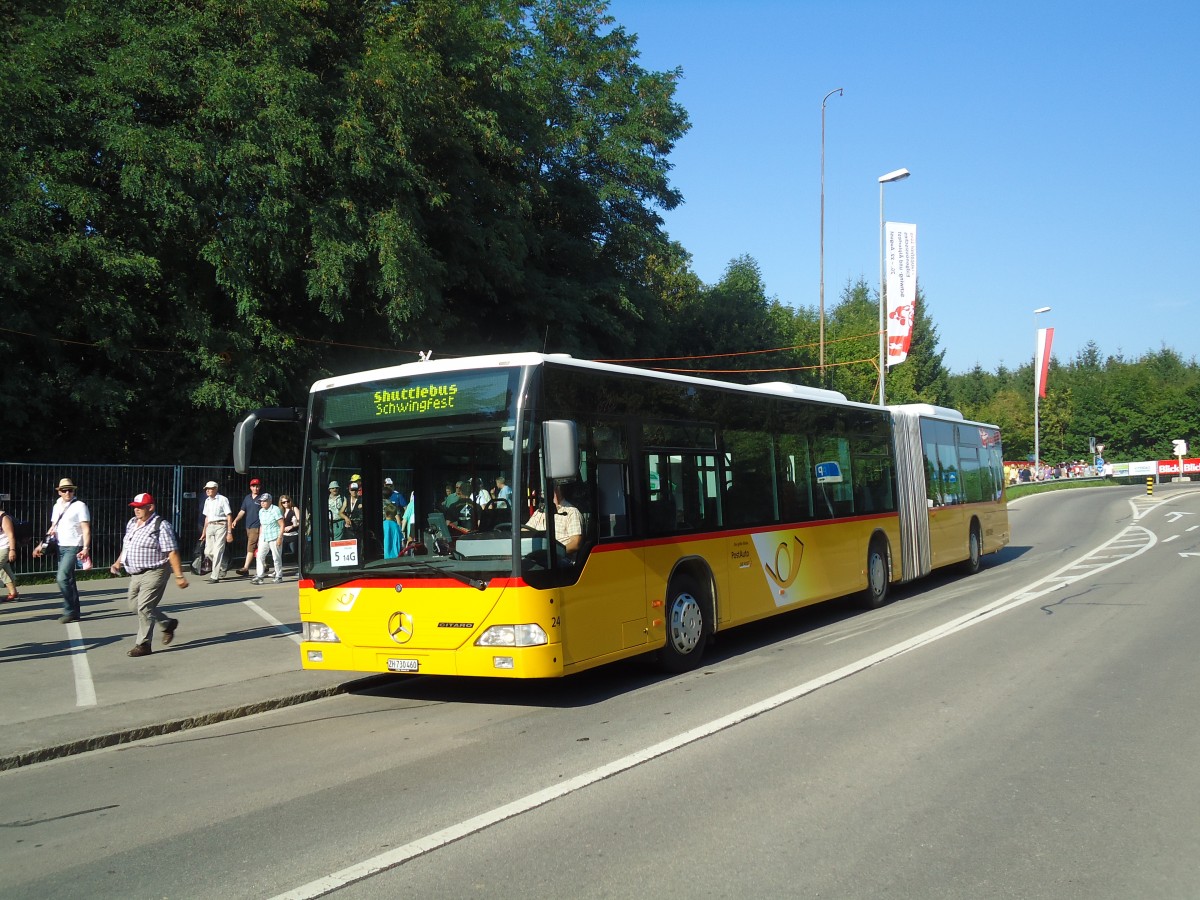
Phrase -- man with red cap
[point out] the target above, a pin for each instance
(249, 512)
(148, 549)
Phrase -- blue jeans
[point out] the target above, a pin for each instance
(66, 580)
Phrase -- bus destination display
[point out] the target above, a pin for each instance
(418, 399)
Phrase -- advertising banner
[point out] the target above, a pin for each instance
(1045, 337)
(1171, 467)
(901, 250)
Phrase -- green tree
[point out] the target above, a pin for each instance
(852, 343)
(730, 324)
(203, 211)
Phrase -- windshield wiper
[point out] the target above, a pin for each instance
(326, 582)
(477, 583)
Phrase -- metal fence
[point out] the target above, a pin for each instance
(27, 493)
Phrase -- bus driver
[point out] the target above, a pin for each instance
(568, 526)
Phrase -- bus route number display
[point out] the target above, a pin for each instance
(343, 553)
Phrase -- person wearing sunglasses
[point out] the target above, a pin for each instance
(291, 523)
(71, 531)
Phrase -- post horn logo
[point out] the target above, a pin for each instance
(787, 563)
(400, 627)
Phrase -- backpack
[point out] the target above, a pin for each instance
(22, 531)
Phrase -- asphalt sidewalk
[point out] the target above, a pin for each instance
(72, 688)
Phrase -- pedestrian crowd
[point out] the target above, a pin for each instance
(150, 550)
(1021, 473)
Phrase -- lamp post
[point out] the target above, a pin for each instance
(837, 91)
(1037, 346)
(898, 175)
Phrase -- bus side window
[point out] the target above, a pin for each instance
(613, 503)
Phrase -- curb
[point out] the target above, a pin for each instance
(128, 735)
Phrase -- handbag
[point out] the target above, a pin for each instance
(201, 564)
(50, 541)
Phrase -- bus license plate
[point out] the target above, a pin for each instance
(403, 665)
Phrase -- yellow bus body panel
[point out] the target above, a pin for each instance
(950, 530)
(617, 608)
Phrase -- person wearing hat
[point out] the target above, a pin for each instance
(249, 512)
(148, 549)
(354, 510)
(218, 528)
(392, 495)
(338, 520)
(71, 530)
(270, 519)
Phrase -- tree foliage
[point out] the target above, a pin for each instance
(1135, 408)
(206, 207)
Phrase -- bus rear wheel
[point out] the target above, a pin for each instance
(688, 626)
(879, 573)
(974, 559)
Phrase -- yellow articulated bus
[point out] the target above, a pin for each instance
(532, 515)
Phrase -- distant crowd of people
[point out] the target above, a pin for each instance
(1023, 474)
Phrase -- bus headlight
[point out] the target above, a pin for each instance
(512, 636)
(319, 632)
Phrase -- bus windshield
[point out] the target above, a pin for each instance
(413, 475)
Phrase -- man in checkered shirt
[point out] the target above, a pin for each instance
(148, 549)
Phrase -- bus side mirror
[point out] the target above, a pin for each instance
(560, 444)
(243, 434)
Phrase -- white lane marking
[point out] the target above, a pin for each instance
(294, 635)
(1142, 507)
(85, 688)
(402, 854)
(1169, 539)
(1193, 527)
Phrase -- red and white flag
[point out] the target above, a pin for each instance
(1045, 337)
(901, 250)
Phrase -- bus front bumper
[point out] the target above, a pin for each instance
(544, 661)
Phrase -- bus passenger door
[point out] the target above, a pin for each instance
(604, 612)
(947, 539)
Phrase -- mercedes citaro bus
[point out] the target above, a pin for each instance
(549, 514)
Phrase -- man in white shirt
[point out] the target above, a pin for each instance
(71, 528)
(218, 528)
(568, 523)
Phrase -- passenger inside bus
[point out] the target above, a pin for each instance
(462, 516)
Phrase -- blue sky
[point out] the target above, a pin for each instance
(1054, 150)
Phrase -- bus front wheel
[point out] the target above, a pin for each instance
(688, 627)
(878, 574)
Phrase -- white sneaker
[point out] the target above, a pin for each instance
(279, 581)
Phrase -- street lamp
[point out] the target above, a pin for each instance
(837, 91)
(898, 175)
(1037, 347)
